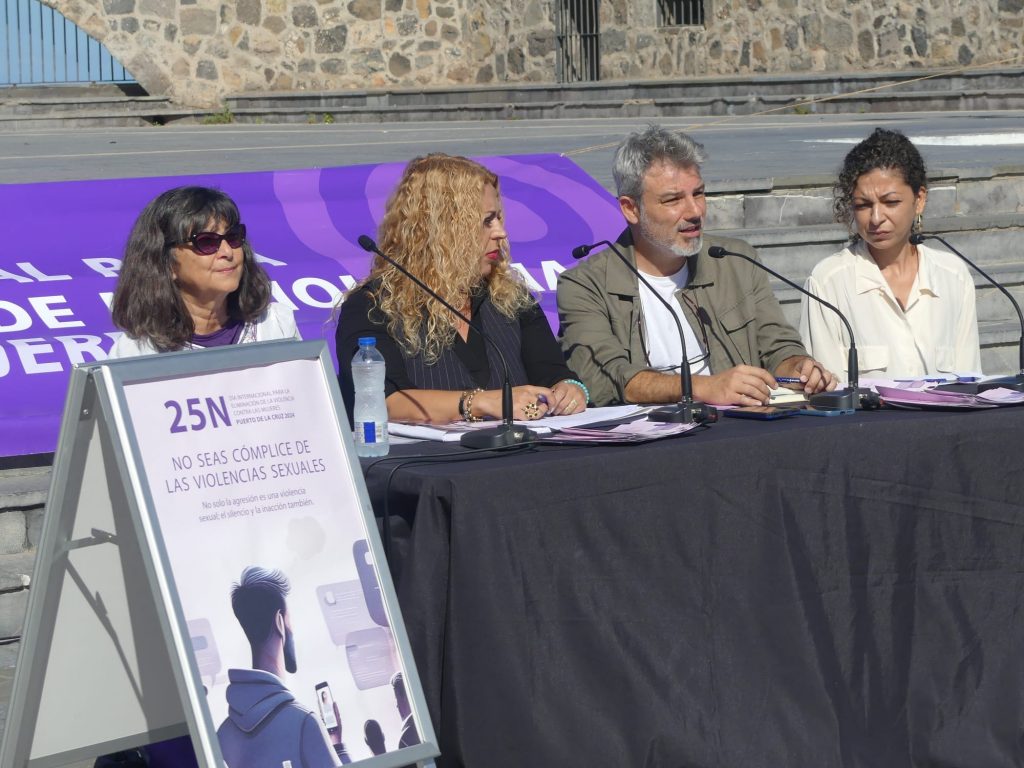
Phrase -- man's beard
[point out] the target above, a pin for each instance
(670, 244)
(289, 652)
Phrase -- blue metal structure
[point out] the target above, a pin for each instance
(38, 46)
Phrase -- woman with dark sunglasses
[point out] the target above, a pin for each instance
(189, 279)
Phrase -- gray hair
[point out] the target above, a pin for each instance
(641, 149)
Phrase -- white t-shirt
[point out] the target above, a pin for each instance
(661, 336)
(276, 322)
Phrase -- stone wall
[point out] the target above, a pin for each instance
(778, 36)
(198, 51)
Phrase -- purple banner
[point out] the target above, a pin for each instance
(64, 241)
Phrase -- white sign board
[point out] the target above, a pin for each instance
(261, 554)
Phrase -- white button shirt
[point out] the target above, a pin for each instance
(936, 334)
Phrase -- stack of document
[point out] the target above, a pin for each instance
(638, 431)
(930, 398)
(782, 395)
(544, 426)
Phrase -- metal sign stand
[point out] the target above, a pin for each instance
(106, 662)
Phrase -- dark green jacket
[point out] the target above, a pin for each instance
(601, 323)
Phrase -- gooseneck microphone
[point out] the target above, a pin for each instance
(1008, 382)
(840, 398)
(687, 410)
(506, 434)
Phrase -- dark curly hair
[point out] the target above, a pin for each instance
(147, 303)
(256, 598)
(882, 149)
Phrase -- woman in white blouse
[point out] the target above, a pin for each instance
(911, 307)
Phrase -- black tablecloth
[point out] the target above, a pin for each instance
(841, 591)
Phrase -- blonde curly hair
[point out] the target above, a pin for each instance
(432, 227)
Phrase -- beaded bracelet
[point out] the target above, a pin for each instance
(466, 405)
(581, 385)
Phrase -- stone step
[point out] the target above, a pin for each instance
(1000, 346)
(22, 109)
(23, 487)
(301, 110)
(71, 90)
(22, 105)
(87, 107)
(23, 492)
(738, 88)
(807, 201)
(112, 117)
(794, 250)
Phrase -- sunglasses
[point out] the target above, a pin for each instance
(208, 243)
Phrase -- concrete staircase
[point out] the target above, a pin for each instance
(93, 106)
(811, 93)
(981, 212)
(86, 106)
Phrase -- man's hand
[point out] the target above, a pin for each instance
(811, 373)
(742, 385)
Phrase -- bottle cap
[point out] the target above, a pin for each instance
(367, 341)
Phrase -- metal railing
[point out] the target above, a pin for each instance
(678, 13)
(38, 46)
(577, 30)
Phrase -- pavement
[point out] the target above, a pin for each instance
(740, 147)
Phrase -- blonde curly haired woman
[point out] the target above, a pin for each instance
(444, 223)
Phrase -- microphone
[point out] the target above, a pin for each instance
(580, 251)
(1008, 382)
(687, 410)
(506, 434)
(845, 398)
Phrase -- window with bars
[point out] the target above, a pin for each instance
(578, 32)
(680, 13)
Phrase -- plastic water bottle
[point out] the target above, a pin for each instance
(370, 414)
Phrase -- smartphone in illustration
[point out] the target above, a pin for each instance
(325, 702)
(371, 585)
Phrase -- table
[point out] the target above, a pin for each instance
(841, 591)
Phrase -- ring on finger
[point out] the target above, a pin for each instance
(531, 411)
(572, 403)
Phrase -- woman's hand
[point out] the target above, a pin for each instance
(528, 403)
(567, 398)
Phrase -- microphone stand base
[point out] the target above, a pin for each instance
(495, 438)
(1015, 383)
(685, 413)
(840, 399)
